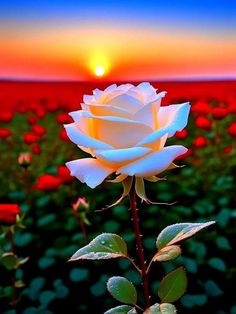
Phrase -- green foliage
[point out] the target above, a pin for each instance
(121, 309)
(173, 285)
(104, 246)
(122, 290)
(164, 308)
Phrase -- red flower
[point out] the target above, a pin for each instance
(201, 107)
(8, 213)
(232, 129)
(63, 135)
(36, 149)
(6, 116)
(40, 112)
(200, 141)
(52, 106)
(64, 118)
(32, 119)
(64, 173)
(228, 149)
(4, 133)
(232, 107)
(47, 182)
(219, 112)
(203, 123)
(38, 129)
(30, 138)
(181, 134)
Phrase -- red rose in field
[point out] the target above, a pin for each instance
(36, 149)
(203, 123)
(63, 135)
(219, 112)
(47, 182)
(40, 112)
(4, 132)
(232, 108)
(200, 141)
(201, 107)
(181, 134)
(64, 173)
(6, 116)
(8, 213)
(32, 119)
(228, 149)
(64, 118)
(30, 138)
(38, 129)
(52, 106)
(232, 129)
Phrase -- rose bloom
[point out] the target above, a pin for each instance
(30, 138)
(219, 112)
(232, 129)
(38, 129)
(181, 134)
(228, 149)
(36, 149)
(32, 119)
(63, 118)
(47, 182)
(64, 174)
(4, 132)
(63, 135)
(203, 123)
(200, 141)
(6, 116)
(201, 107)
(8, 213)
(125, 130)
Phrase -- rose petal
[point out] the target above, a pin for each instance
(175, 117)
(106, 110)
(117, 156)
(148, 114)
(154, 163)
(126, 102)
(89, 171)
(82, 139)
(171, 119)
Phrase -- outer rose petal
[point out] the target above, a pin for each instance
(154, 163)
(119, 156)
(89, 171)
(82, 139)
(171, 119)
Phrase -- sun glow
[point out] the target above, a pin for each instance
(99, 70)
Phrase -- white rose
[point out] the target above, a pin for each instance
(125, 130)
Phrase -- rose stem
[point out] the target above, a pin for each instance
(134, 212)
(11, 242)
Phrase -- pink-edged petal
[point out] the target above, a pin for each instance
(154, 163)
(89, 171)
(117, 156)
(173, 117)
(170, 119)
(82, 139)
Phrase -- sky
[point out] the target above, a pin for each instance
(131, 40)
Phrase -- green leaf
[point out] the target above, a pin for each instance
(9, 261)
(122, 290)
(179, 232)
(164, 308)
(104, 246)
(121, 309)
(173, 285)
(217, 263)
(167, 253)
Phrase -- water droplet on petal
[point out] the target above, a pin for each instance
(103, 242)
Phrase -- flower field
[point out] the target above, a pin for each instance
(46, 215)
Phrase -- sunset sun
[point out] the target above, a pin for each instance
(99, 70)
